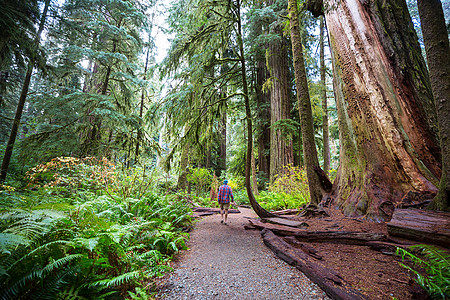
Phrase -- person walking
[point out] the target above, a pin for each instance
(224, 196)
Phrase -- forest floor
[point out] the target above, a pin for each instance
(229, 262)
(375, 274)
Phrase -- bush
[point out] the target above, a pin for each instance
(292, 180)
(277, 201)
(200, 178)
(289, 190)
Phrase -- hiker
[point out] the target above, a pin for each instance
(223, 198)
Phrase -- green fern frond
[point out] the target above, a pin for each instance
(116, 281)
(57, 264)
(9, 241)
(36, 251)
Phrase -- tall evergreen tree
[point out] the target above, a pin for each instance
(23, 95)
(304, 103)
(437, 48)
(323, 85)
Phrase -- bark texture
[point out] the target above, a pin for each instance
(323, 84)
(281, 149)
(388, 139)
(437, 47)
(263, 101)
(304, 103)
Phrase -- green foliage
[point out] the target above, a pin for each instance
(291, 180)
(435, 262)
(289, 190)
(277, 201)
(200, 178)
(92, 242)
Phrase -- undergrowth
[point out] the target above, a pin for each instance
(87, 230)
(288, 190)
(435, 262)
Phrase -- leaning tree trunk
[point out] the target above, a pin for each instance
(304, 103)
(388, 138)
(261, 212)
(281, 149)
(23, 97)
(437, 47)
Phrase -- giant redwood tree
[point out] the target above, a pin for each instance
(389, 150)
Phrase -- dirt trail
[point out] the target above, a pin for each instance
(228, 262)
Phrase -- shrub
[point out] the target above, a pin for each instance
(72, 173)
(200, 177)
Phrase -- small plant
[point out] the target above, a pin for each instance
(436, 263)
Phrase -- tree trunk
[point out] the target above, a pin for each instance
(281, 149)
(263, 101)
(388, 142)
(304, 104)
(261, 212)
(141, 107)
(23, 97)
(255, 182)
(323, 83)
(184, 162)
(437, 47)
(223, 144)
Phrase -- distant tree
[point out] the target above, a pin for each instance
(23, 96)
(281, 147)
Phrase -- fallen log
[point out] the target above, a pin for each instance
(202, 214)
(341, 237)
(386, 247)
(292, 211)
(285, 222)
(214, 210)
(328, 280)
(305, 248)
(431, 227)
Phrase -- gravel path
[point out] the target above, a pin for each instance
(228, 262)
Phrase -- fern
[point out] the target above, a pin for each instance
(116, 281)
(9, 241)
(436, 264)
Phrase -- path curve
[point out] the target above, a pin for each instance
(228, 262)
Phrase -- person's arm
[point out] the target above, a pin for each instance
(232, 197)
